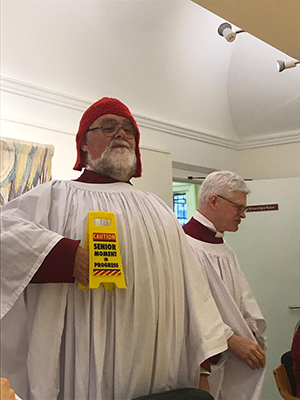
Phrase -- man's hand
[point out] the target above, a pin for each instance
(6, 392)
(81, 266)
(203, 382)
(248, 350)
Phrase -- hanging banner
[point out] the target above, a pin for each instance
(104, 253)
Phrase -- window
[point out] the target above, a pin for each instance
(180, 207)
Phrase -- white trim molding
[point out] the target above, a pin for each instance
(180, 131)
(39, 126)
(274, 139)
(38, 93)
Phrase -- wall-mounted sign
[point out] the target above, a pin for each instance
(262, 207)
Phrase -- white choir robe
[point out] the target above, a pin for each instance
(62, 343)
(231, 378)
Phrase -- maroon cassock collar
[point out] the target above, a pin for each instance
(89, 176)
(200, 232)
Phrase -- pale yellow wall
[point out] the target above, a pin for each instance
(281, 161)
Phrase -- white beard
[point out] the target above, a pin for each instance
(116, 162)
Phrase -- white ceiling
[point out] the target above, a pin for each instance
(262, 102)
(162, 57)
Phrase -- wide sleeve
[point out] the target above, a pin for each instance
(251, 311)
(26, 239)
(201, 302)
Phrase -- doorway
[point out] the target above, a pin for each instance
(185, 200)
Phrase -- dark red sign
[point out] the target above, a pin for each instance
(262, 207)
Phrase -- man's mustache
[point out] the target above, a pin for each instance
(119, 142)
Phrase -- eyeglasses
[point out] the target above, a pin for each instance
(240, 209)
(111, 127)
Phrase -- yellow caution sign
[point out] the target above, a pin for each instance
(104, 253)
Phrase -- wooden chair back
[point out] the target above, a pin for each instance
(283, 384)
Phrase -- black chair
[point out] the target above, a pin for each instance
(179, 394)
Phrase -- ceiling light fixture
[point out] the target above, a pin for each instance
(282, 65)
(226, 31)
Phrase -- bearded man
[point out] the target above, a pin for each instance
(98, 344)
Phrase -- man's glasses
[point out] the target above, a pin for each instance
(240, 209)
(111, 127)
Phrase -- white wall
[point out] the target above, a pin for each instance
(157, 174)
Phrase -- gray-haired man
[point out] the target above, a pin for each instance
(239, 373)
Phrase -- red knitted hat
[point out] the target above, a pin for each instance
(106, 105)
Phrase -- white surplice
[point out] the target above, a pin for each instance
(231, 379)
(61, 343)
